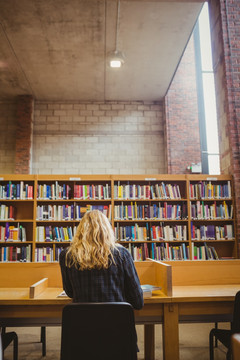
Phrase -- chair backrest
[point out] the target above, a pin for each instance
(236, 314)
(93, 331)
(236, 346)
(1, 347)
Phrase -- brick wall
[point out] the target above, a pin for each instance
(98, 138)
(225, 20)
(181, 111)
(23, 150)
(220, 86)
(7, 137)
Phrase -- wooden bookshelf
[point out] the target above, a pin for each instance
(17, 206)
(216, 214)
(164, 217)
(61, 201)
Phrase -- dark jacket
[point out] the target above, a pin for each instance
(118, 283)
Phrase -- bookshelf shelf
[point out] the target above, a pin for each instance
(153, 216)
(213, 240)
(149, 221)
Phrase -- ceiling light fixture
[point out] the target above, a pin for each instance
(116, 58)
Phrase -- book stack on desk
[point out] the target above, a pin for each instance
(148, 289)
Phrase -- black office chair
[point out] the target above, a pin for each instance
(98, 331)
(224, 336)
(6, 339)
(42, 339)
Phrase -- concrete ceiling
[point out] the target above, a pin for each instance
(57, 49)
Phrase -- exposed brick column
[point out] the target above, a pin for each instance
(225, 29)
(24, 114)
(181, 115)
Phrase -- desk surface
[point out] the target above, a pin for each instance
(180, 294)
(205, 293)
(20, 296)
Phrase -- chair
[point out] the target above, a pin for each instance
(236, 346)
(42, 339)
(6, 339)
(224, 336)
(98, 331)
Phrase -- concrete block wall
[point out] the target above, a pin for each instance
(7, 137)
(98, 138)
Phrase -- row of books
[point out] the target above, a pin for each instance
(169, 252)
(169, 232)
(139, 253)
(204, 252)
(16, 191)
(137, 233)
(68, 212)
(12, 233)
(58, 250)
(137, 191)
(212, 232)
(199, 210)
(93, 192)
(155, 211)
(15, 253)
(44, 254)
(154, 233)
(55, 233)
(55, 212)
(54, 191)
(47, 254)
(81, 210)
(7, 212)
(207, 190)
(132, 233)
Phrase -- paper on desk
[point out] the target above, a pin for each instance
(148, 289)
(62, 294)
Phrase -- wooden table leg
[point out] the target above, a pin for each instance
(170, 332)
(149, 342)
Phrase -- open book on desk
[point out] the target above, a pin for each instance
(148, 289)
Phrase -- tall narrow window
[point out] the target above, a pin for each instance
(208, 87)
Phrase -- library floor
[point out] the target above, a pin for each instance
(193, 343)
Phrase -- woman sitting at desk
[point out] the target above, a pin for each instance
(96, 269)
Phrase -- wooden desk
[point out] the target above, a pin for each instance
(17, 308)
(202, 291)
(210, 299)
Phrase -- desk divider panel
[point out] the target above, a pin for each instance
(155, 273)
(26, 274)
(217, 272)
(38, 288)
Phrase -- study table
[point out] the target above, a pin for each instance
(45, 309)
(205, 295)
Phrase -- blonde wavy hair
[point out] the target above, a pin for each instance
(92, 246)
